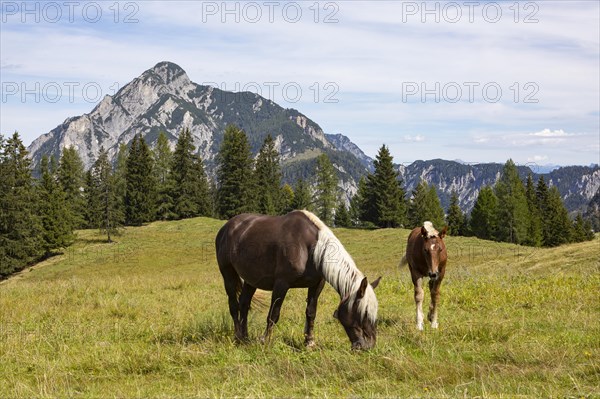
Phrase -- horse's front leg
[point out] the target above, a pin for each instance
(311, 312)
(280, 290)
(434, 289)
(419, 296)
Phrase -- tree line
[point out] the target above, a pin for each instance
(39, 216)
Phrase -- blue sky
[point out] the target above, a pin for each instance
(478, 81)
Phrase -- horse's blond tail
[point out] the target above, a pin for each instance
(403, 261)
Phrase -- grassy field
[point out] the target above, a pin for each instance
(147, 317)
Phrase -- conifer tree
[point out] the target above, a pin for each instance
(358, 206)
(455, 217)
(579, 229)
(191, 192)
(20, 228)
(556, 219)
(483, 216)
(435, 212)
(200, 188)
(302, 195)
(385, 202)
(71, 177)
(534, 231)
(512, 207)
(236, 186)
(326, 187)
(287, 198)
(120, 178)
(107, 211)
(54, 214)
(342, 216)
(425, 206)
(268, 179)
(140, 195)
(92, 202)
(541, 192)
(162, 165)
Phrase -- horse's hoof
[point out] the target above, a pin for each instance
(420, 326)
(434, 324)
(310, 344)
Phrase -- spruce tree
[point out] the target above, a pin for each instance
(386, 203)
(541, 192)
(434, 211)
(107, 211)
(236, 187)
(200, 188)
(455, 217)
(302, 195)
(425, 206)
(512, 207)
(92, 202)
(534, 231)
(120, 178)
(191, 191)
(140, 195)
(268, 179)
(483, 216)
(326, 187)
(579, 229)
(20, 229)
(54, 214)
(287, 198)
(162, 165)
(556, 218)
(71, 177)
(358, 203)
(342, 216)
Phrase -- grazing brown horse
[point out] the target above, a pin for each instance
(426, 257)
(297, 250)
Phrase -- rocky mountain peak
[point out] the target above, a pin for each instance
(168, 72)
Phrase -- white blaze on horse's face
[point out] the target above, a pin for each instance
(431, 252)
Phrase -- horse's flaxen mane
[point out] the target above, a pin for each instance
(339, 269)
(431, 231)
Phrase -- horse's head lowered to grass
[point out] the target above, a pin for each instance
(361, 328)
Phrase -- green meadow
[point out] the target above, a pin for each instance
(147, 316)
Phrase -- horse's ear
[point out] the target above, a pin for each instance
(335, 314)
(362, 289)
(375, 283)
(424, 232)
(443, 232)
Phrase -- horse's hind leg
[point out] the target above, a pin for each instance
(280, 290)
(311, 312)
(232, 287)
(434, 289)
(245, 299)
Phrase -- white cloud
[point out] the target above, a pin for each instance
(413, 139)
(537, 158)
(550, 133)
(370, 54)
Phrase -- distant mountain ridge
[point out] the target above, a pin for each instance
(163, 98)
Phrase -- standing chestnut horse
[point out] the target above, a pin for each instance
(426, 257)
(297, 250)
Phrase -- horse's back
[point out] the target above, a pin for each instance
(261, 247)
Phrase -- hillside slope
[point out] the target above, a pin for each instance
(147, 316)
